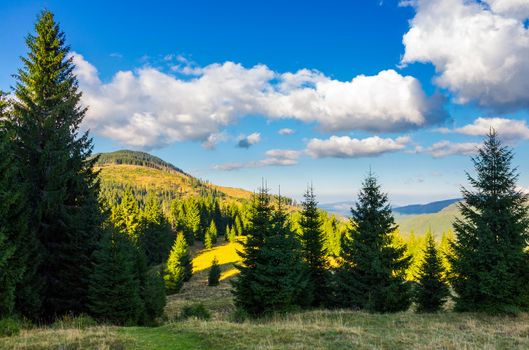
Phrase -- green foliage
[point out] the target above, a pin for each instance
(372, 275)
(135, 158)
(156, 237)
(214, 273)
(114, 289)
(211, 236)
(175, 268)
(431, 291)
(195, 311)
(271, 275)
(126, 217)
(9, 327)
(490, 267)
(151, 290)
(55, 164)
(313, 251)
(78, 322)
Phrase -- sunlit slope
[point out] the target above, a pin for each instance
(438, 222)
(226, 255)
(145, 171)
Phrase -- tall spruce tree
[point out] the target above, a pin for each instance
(56, 164)
(271, 275)
(177, 268)
(372, 276)
(126, 217)
(490, 264)
(114, 289)
(431, 291)
(210, 237)
(312, 248)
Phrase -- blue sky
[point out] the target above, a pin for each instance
(404, 89)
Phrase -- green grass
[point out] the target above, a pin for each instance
(318, 329)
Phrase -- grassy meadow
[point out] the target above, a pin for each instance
(316, 329)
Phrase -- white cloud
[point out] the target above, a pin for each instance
(275, 157)
(286, 131)
(446, 148)
(247, 141)
(508, 129)
(346, 147)
(149, 108)
(479, 51)
(213, 139)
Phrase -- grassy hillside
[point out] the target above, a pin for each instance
(316, 329)
(438, 222)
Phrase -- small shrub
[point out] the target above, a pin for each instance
(195, 310)
(9, 327)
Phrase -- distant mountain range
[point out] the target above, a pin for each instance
(437, 216)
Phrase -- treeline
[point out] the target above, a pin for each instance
(483, 266)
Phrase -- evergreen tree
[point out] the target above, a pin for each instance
(372, 276)
(490, 264)
(192, 221)
(156, 236)
(432, 290)
(176, 267)
(231, 234)
(271, 273)
(126, 217)
(56, 164)
(214, 273)
(151, 289)
(312, 248)
(211, 236)
(114, 290)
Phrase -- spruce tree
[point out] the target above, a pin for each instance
(175, 269)
(151, 289)
(56, 164)
(192, 221)
(312, 248)
(271, 275)
(126, 217)
(372, 276)
(431, 291)
(214, 273)
(211, 236)
(490, 264)
(114, 289)
(156, 236)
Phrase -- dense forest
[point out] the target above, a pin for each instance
(75, 243)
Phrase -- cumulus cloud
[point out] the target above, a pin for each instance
(446, 148)
(149, 108)
(479, 49)
(275, 157)
(213, 139)
(247, 141)
(286, 131)
(508, 129)
(346, 147)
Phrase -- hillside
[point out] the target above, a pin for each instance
(142, 172)
(438, 222)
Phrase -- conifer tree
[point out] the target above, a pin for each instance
(312, 248)
(214, 273)
(211, 235)
(114, 290)
(156, 236)
(151, 289)
(177, 268)
(431, 290)
(271, 274)
(192, 221)
(490, 264)
(126, 217)
(56, 164)
(231, 234)
(372, 276)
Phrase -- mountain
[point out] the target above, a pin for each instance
(418, 218)
(141, 173)
(429, 208)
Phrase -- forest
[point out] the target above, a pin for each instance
(77, 245)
